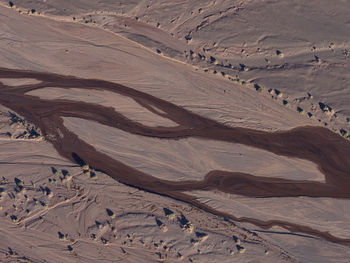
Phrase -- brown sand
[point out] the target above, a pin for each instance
(319, 145)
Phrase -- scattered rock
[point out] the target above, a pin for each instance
(185, 224)
(168, 213)
(310, 115)
(202, 57)
(85, 167)
(286, 103)
(70, 248)
(279, 53)
(93, 175)
(18, 182)
(61, 236)
(317, 59)
(326, 109)
(213, 60)
(278, 93)
(179, 255)
(194, 242)
(344, 133)
(242, 67)
(19, 185)
(257, 88)
(104, 241)
(14, 218)
(300, 110)
(161, 225)
(240, 249)
(310, 96)
(54, 171)
(110, 213)
(201, 236)
(188, 38)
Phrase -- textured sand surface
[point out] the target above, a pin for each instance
(264, 65)
(298, 48)
(65, 207)
(125, 105)
(189, 159)
(44, 46)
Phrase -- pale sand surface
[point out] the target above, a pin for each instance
(188, 159)
(124, 105)
(307, 248)
(43, 44)
(313, 38)
(76, 207)
(18, 81)
(323, 214)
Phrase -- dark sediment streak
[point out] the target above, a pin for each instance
(326, 149)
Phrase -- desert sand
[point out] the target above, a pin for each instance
(174, 131)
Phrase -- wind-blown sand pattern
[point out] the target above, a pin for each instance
(126, 106)
(189, 131)
(329, 151)
(188, 158)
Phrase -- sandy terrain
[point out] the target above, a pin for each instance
(153, 143)
(57, 208)
(302, 56)
(18, 82)
(324, 214)
(125, 105)
(44, 46)
(313, 144)
(189, 159)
